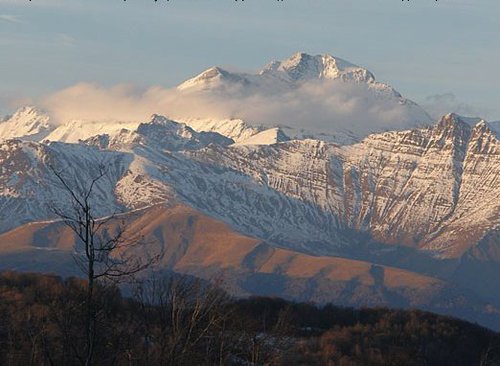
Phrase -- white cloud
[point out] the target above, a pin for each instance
(88, 101)
(318, 107)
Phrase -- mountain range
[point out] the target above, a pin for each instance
(405, 216)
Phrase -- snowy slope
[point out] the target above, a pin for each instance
(235, 129)
(422, 188)
(29, 190)
(28, 123)
(76, 130)
(267, 137)
(31, 123)
(302, 66)
(433, 189)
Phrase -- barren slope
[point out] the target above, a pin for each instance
(202, 246)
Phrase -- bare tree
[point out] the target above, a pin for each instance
(184, 318)
(104, 251)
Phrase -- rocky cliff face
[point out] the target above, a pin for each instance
(433, 189)
(420, 188)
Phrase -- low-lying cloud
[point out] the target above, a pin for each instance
(86, 101)
(326, 106)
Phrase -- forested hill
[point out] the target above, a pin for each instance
(180, 321)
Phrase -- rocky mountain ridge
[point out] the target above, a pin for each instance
(422, 200)
(448, 175)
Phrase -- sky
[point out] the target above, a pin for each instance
(442, 54)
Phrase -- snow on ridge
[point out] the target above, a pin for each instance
(235, 129)
(267, 137)
(29, 123)
(302, 193)
(302, 66)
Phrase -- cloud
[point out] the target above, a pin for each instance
(440, 104)
(86, 101)
(9, 18)
(328, 106)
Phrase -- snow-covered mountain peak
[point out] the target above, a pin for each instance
(210, 78)
(159, 133)
(484, 139)
(346, 97)
(157, 119)
(205, 77)
(298, 68)
(302, 66)
(29, 123)
(477, 123)
(29, 111)
(75, 130)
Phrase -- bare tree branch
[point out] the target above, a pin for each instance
(103, 246)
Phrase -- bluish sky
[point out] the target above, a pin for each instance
(446, 51)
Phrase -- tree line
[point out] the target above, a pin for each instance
(175, 320)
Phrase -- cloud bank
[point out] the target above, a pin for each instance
(327, 106)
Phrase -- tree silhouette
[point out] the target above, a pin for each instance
(104, 245)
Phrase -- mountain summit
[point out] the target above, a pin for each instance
(322, 96)
(302, 66)
(27, 122)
